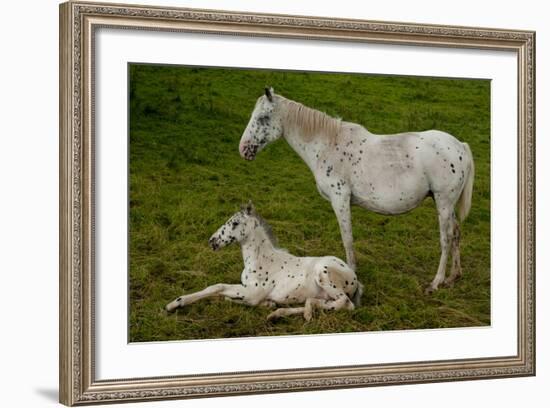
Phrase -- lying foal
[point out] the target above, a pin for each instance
(272, 276)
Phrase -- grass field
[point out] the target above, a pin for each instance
(186, 179)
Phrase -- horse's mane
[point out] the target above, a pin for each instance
(310, 121)
(267, 228)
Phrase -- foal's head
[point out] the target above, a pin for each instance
(237, 228)
(265, 126)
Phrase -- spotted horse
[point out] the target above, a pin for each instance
(273, 277)
(387, 174)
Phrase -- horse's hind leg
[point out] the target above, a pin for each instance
(268, 303)
(331, 281)
(341, 302)
(285, 311)
(446, 224)
(456, 269)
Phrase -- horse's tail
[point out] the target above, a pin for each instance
(356, 299)
(465, 200)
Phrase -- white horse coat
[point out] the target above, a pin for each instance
(387, 174)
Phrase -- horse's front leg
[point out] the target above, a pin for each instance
(341, 204)
(234, 292)
(266, 303)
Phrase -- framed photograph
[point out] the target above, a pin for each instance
(256, 203)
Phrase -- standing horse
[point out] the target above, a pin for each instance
(387, 174)
(271, 276)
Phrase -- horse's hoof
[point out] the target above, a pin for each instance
(272, 316)
(429, 290)
(172, 306)
(451, 280)
(269, 304)
(448, 283)
(307, 316)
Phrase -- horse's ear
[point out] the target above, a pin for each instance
(269, 93)
(249, 207)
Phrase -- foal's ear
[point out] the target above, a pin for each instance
(269, 93)
(249, 208)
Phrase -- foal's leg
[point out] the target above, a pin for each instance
(456, 269)
(311, 304)
(341, 206)
(266, 303)
(285, 311)
(341, 302)
(332, 282)
(445, 210)
(235, 292)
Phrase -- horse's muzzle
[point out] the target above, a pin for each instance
(248, 151)
(214, 243)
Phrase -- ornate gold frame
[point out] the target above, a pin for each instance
(78, 21)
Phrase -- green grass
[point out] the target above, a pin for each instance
(187, 178)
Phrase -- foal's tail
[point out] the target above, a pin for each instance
(465, 200)
(356, 299)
